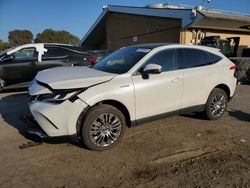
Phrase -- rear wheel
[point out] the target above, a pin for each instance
(216, 104)
(103, 127)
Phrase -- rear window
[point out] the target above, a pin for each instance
(196, 58)
(212, 58)
(55, 52)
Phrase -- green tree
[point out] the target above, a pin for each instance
(53, 36)
(19, 37)
(4, 45)
(1, 45)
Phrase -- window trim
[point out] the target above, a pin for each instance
(197, 49)
(34, 57)
(54, 57)
(137, 72)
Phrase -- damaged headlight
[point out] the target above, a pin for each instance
(59, 96)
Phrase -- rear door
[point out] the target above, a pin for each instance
(199, 76)
(55, 56)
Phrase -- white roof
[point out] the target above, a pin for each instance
(34, 45)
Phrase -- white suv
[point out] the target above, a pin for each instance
(132, 85)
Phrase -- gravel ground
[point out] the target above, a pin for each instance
(181, 151)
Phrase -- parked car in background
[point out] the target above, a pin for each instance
(131, 86)
(99, 54)
(19, 65)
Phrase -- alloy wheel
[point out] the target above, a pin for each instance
(105, 129)
(218, 105)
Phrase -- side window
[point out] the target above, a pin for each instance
(193, 58)
(54, 52)
(25, 53)
(212, 58)
(168, 59)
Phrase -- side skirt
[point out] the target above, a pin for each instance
(198, 108)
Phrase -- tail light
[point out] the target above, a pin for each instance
(233, 67)
(91, 59)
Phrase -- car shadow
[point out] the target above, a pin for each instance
(14, 107)
(242, 116)
(197, 115)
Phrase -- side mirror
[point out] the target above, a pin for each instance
(152, 69)
(9, 58)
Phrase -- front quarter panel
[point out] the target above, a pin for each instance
(37, 89)
(120, 89)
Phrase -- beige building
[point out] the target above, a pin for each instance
(120, 26)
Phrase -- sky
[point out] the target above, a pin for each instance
(77, 16)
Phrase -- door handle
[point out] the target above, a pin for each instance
(176, 80)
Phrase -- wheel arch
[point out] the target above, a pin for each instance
(113, 103)
(120, 106)
(225, 88)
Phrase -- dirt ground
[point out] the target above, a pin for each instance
(181, 151)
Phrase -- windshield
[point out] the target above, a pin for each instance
(121, 61)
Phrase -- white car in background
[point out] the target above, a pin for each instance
(131, 86)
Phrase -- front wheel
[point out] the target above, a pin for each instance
(216, 104)
(103, 127)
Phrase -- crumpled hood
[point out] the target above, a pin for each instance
(71, 77)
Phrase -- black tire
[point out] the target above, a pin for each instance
(209, 109)
(93, 115)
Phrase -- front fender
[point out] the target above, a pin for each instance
(111, 91)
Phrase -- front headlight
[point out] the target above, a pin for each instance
(60, 96)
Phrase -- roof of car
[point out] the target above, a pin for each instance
(150, 45)
(55, 44)
(93, 51)
(45, 44)
(70, 47)
(42, 45)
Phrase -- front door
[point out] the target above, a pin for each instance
(20, 69)
(159, 93)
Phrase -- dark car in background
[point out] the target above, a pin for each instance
(19, 65)
(99, 54)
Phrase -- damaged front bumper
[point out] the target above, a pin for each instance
(57, 119)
